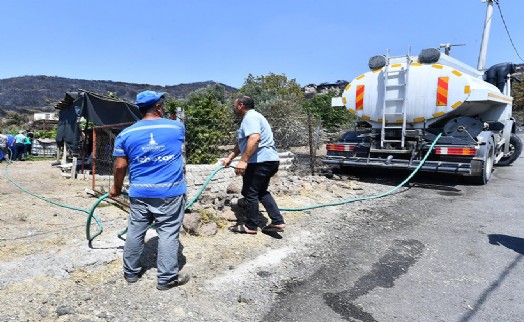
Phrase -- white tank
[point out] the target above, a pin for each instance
(425, 92)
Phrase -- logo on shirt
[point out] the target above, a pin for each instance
(152, 145)
(159, 158)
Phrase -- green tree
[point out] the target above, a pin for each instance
(518, 100)
(208, 121)
(280, 100)
(16, 119)
(332, 117)
(265, 87)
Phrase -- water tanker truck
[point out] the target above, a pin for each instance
(404, 102)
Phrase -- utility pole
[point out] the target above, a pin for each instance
(485, 36)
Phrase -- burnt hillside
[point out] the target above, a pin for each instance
(41, 93)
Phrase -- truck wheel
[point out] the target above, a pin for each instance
(515, 149)
(487, 166)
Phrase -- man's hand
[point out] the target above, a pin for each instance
(226, 162)
(240, 169)
(114, 192)
(119, 173)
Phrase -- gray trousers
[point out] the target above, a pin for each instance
(168, 214)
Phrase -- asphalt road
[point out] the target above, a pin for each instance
(443, 250)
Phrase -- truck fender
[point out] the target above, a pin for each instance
(506, 134)
(483, 137)
(477, 164)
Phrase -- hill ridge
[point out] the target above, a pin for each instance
(27, 94)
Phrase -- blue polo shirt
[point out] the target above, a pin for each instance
(154, 152)
(255, 123)
(19, 138)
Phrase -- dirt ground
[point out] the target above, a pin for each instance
(48, 272)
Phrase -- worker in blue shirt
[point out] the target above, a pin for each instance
(152, 151)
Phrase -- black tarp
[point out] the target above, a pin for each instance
(97, 109)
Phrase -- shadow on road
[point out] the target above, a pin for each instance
(393, 177)
(514, 243)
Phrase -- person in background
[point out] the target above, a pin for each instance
(18, 146)
(258, 163)
(31, 137)
(4, 141)
(27, 147)
(152, 151)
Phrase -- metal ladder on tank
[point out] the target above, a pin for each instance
(401, 84)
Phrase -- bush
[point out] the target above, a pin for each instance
(332, 117)
(208, 121)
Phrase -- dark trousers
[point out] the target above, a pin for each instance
(27, 149)
(5, 153)
(19, 151)
(254, 189)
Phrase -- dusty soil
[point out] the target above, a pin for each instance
(48, 272)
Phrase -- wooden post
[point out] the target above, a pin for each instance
(64, 155)
(311, 147)
(73, 168)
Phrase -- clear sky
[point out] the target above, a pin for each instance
(168, 42)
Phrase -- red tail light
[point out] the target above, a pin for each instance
(341, 147)
(456, 151)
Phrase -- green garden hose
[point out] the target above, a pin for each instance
(390, 191)
(91, 214)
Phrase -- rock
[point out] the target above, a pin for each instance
(243, 299)
(228, 215)
(234, 202)
(43, 312)
(64, 309)
(150, 234)
(234, 187)
(102, 315)
(209, 229)
(308, 186)
(192, 223)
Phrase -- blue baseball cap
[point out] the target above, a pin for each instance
(146, 98)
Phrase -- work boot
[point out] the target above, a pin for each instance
(130, 279)
(181, 280)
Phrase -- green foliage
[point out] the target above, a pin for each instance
(41, 134)
(331, 117)
(280, 101)
(264, 88)
(14, 120)
(112, 95)
(208, 121)
(518, 101)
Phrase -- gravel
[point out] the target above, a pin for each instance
(48, 272)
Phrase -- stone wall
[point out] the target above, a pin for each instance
(196, 175)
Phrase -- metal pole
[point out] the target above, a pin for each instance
(485, 36)
(93, 160)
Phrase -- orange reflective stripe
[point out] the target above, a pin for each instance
(360, 97)
(442, 91)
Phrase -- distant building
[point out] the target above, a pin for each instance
(45, 121)
(46, 116)
(323, 88)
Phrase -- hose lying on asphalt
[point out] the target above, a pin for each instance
(91, 211)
